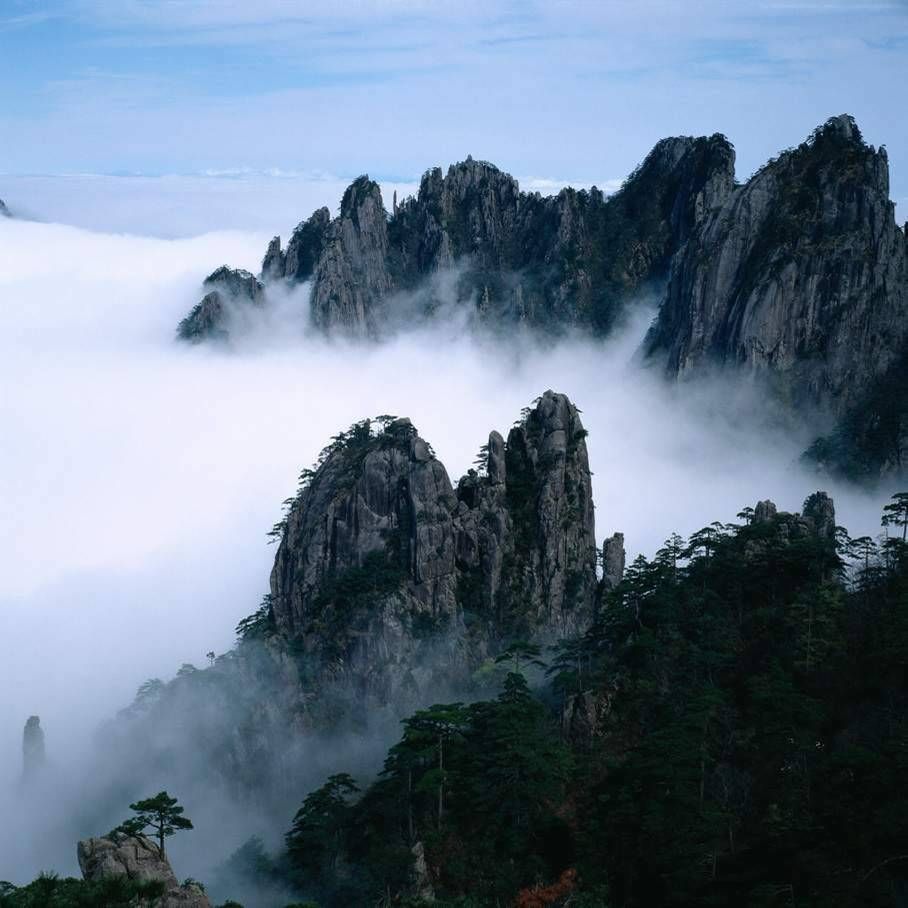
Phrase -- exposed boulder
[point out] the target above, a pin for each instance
(32, 748)
(421, 887)
(227, 289)
(820, 511)
(137, 858)
(765, 511)
(816, 521)
(800, 277)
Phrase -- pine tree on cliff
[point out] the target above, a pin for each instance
(162, 814)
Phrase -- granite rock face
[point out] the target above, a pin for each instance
(385, 575)
(351, 280)
(137, 858)
(226, 290)
(800, 277)
(575, 259)
(572, 259)
(613, 561)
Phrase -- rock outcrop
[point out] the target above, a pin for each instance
(575, 259)
(137, 858)
(32, 748)
(4, 211)
(613, 559)
(227, 289)
(816, 520)
(388, 579)
(800, 276)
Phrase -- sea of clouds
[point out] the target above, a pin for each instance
(139, 476)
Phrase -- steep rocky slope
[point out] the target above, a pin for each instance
(800, 277)
(226, 290)
(571, 259)
(391, 588)
(391, 579)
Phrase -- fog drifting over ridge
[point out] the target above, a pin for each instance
(140, 476)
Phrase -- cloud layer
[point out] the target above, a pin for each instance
(139, 477)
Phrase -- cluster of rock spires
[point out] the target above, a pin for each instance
(799, 275)
(568, 260)
(392, 588)
(389, 577)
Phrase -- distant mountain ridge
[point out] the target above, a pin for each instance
(573, 259)
(798, 276)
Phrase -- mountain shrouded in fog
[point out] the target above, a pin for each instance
(521, 686)
(798, 277)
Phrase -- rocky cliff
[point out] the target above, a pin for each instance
(800, 277)
(393, 581)
(574, 259)
(137, 858)
(227, 291)
(392, 588)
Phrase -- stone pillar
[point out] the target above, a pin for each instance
(612, 561)
(32, 748)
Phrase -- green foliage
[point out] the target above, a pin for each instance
(162, 814)
(521, 652)
(49, 891)
(753, 702)
(315, 842)
(348, 595)
(260, 624)
(478, 785)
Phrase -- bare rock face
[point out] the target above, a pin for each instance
(274, 262)
(816, 520)
(575, 259)
(306, 246)
(137, 858)
(226, 288)
(4, 211)
(765, 511)
(32, 748)
(364, 572)
(351, 279)
(800, 276)
(820, 511)
(381, 563)
(572, 259)
(526, 546)
(613, 561)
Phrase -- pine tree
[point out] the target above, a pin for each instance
(162, 814)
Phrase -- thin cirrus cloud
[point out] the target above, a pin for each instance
(393, 86)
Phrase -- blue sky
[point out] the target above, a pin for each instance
(565, 89)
